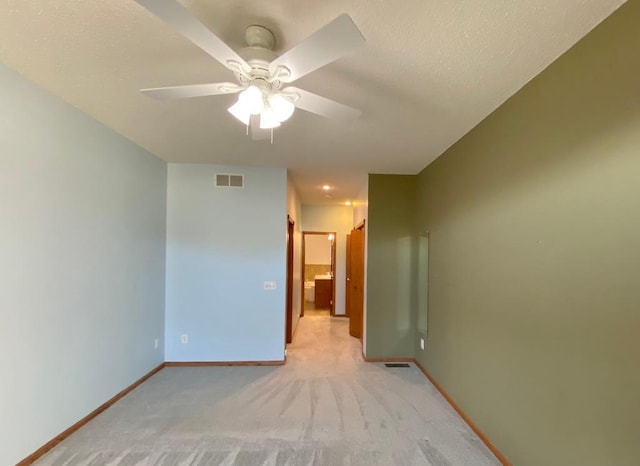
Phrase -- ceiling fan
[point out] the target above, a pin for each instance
(264, 101)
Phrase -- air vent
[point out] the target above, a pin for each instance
(226, 180)
(397, 364)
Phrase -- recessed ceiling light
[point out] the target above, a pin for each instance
(347, 203)
(326, 187)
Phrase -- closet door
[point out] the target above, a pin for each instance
(356, 283)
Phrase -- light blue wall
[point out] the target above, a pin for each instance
(222, 244)
(82, 257)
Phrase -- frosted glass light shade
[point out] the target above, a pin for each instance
(281, 106)
(268, 119)
(240, 111)
(272, 110)
(252, 99)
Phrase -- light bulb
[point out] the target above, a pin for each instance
(281, 106)
(252, 99)
(268, 119)
(240, 111)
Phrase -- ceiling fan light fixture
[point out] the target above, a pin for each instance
(251, 98)
(240, 111)
(259, 71)
(268, 119)
(281, 107)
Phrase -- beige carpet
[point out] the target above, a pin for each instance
(324, 407)
(317, 312)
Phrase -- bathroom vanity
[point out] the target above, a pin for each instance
(323, 293)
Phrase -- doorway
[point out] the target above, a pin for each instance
(319, 272)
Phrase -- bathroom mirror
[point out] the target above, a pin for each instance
(423, 283)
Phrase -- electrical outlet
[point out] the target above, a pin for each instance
(184, 339)
(155, 343)
(421, 343)
(269, 285)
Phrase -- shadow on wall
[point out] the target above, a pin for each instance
(405, 285)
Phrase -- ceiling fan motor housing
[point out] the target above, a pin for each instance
(259, 36)
(258, 54)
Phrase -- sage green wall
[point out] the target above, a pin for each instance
(534, 299)
(390, 276)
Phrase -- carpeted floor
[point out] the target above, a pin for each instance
(317, 312)
(324, 407)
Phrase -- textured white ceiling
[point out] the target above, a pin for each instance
(429, 72)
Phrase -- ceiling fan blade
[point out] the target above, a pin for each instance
(321, 105)
(178, 17)
(336, 39)
(191, 90)
(257, 133)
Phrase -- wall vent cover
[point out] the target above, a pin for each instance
(228, 180)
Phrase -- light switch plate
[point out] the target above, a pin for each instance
(269, 285)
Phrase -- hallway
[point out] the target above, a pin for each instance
(324, 407)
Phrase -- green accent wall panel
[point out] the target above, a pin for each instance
(391, 244)
(534, 248)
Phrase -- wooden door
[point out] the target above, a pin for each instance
(347, 287)
(356, 306)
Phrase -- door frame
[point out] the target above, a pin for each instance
(289, 295)
(332, 308)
